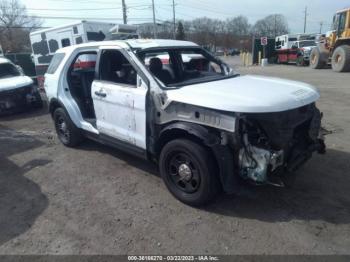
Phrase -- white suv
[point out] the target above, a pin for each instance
(17, 91)
(172, 102)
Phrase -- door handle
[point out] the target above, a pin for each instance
(101, 94)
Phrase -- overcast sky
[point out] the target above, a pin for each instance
(140, 11)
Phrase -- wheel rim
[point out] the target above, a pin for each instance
(338, 59)
(313, 59)
(62, 129)
(183, 173)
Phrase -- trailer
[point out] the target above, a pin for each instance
(124, 32)
(45, 42)
(294, 48)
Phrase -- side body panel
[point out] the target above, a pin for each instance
(120, 109)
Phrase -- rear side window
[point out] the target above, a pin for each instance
(65, 42)
(55, 62)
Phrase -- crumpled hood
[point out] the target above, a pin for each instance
(14, 82)
(247, 94)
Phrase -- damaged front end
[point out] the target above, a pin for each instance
(18, 99)
(273, 145)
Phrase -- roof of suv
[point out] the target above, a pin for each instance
(134, 43)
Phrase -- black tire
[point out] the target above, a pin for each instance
(317, 60)
(341, 59)
(199, 183)
(38, 103)
(66, 131)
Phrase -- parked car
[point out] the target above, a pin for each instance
(206, 126)
(17, 91)
(234, 52)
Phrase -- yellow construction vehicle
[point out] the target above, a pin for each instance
(335, 46)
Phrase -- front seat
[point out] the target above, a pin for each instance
(156, 68)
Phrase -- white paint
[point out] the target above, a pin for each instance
(122, 113)
(13, 82)
(247, 94)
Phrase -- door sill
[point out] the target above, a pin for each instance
(118, 144)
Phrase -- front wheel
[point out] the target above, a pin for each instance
(189, 172)
(317, 61)
(66, 131)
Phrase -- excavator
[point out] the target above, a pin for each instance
(334, 47)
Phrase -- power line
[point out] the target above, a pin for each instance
(82, 18)
(82, 9)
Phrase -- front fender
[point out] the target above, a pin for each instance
(222, 153)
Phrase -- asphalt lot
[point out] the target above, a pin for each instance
(96, 200)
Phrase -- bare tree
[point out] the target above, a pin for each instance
(15, 26)
(271, 26)
(180, 32)
(238, 26)
(235, 32)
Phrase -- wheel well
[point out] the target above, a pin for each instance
(342, 42)
(173, 134)
(54, 104)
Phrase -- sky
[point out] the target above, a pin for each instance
(140, 11)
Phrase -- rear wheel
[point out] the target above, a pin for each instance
(67, 132)
(317, 61)
(341, 59)
(187, 169)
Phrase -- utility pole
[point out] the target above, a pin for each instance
(306, 14)
(321, 25)
(154, 22)
(275, 25)
(124, 13)
(174, 31)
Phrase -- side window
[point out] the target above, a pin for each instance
(160, 64)
(65, 42)
(342, 21)
(78, 40)
(196, 62)
(85, 62)
(114, 67)
(55, 62)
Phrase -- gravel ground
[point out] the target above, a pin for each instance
(96, 200)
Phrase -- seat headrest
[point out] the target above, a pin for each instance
(155, 64)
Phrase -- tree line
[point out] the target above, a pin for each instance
(234, 32)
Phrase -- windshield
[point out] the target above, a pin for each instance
(176, 67)
(306, 43)
(8, 70)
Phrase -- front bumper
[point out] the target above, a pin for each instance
(18, 99)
